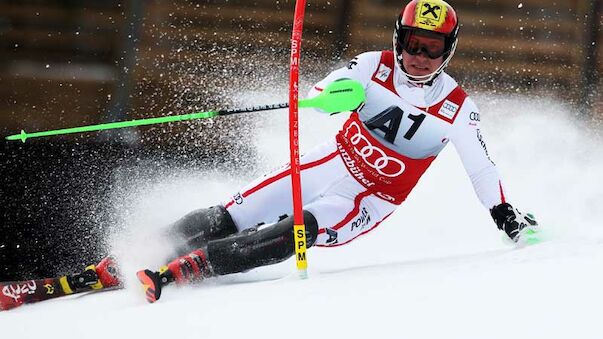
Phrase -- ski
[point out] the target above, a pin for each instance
(94, 278)
(17, 293)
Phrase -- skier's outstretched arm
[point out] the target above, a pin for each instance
(470, 144)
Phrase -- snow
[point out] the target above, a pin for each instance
(438, 268)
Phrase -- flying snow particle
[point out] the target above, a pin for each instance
(520, 5)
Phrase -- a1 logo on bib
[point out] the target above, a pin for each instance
(448, 109)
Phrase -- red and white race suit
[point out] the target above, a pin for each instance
(354, 181)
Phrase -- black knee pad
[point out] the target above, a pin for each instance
(284, 228)
(253, 248)
(311, 228)
(200, 226)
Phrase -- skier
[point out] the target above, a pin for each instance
(354, 181)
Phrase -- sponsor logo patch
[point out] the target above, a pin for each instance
(385, 196)
(332, 236)
(362, 220)
(372, 155)
(354, 169)
(383, 72)
(483, 143)
(238, 199)
(448, 109)
(430, 14)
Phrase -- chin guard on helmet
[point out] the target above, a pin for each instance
(430, 18)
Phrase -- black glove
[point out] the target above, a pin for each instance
(512, 221)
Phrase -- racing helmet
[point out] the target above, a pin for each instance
(430, 18)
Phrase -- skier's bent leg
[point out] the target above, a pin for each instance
(240, 252)
(237, 253)
(198, 227)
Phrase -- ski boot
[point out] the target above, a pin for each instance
(183, 270)
(94, 277)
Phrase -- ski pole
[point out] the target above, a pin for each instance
(339, 96)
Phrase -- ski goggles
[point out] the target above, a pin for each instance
(434, 46)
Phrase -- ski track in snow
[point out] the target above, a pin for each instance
(437, 268)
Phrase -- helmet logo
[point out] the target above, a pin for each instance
(430, 14)
(431, 10)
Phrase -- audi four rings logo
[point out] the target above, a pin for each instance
(373, 156)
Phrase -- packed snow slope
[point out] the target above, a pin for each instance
(438, 268)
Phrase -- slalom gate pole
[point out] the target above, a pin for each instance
(299, 228)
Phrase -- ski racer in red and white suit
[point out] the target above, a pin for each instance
(356, 179)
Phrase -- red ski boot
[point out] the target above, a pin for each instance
(107, 272)
(186, 269)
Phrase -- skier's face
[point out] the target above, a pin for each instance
(419, 63)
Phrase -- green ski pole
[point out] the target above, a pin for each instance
(339, 96)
